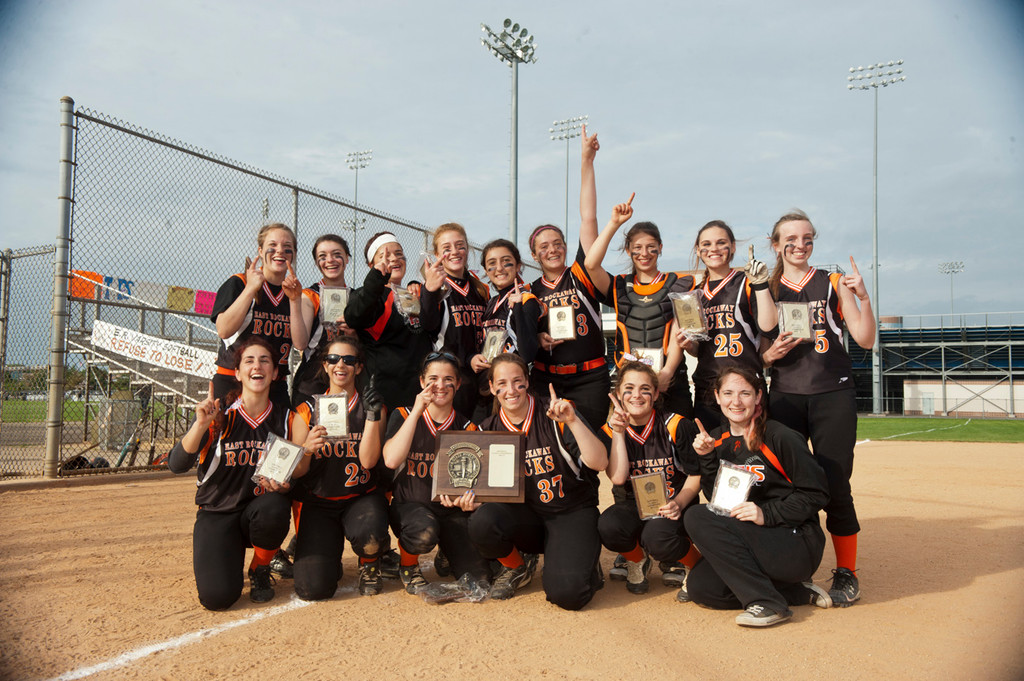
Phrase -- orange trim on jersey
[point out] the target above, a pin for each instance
(673, 427)
(709, 294)
(834, 278)
(646, 433)
(798, 286)
(652, 287)
(378, 328)
(581, 277)
(774, 461)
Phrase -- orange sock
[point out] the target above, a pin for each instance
(296, 514)
(261, 557)
(407, 559)
(364, 561)
(846, 551)
(512, 560)
(691, 557)
(636, 555)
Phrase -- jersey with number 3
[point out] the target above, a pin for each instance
(820, 365)
(728, 307)
(573, 288)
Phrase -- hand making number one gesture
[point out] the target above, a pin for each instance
(622, 212)
(855, 282)
(292, 287)
(756, 271)
(703, 444)
(560, 410)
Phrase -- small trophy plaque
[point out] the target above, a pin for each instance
(488, 462)
(562, 322)
(732, 485)
(651, 492)
(690, 314)
(280, 458)
(332, 414)
(494, 343)
(407, 303)
(333, 300)
(795, 318)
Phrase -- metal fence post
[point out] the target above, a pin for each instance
(5, 311)
(54, 414)
(295, 214)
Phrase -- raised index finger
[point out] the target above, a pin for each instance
(750, 251)
(853, 265)
(551, 388)
(631, 197)
(700, 427)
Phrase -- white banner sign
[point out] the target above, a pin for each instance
(152, 350)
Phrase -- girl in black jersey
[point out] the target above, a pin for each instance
(738, 307)
(420, 523)
(641, 439)
(559, 515)
(331, 254)
(812, 388)
(265, 301)
(235, 512)
(461, 304)
(339, 490)
(761, 556)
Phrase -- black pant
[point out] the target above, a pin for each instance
(677, 398)
(745, 564)
(422, 526)
(588, 391)
(710, 416)
(219, 541)
(323, 527)
(830, 420)
(620, 528)
(569, 541)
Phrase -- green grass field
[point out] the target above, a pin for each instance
(32, 411)
(940, 430)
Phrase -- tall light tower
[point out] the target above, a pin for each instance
(355, 161)
(566, 130)
(513, 46)
(882, 74)
(951, 268)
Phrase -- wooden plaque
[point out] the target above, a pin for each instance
(489, 462)
(651, 492)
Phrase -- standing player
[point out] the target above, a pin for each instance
(235, 512)
(559, 515)
(812, 388)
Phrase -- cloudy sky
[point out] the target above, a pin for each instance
(729, 110)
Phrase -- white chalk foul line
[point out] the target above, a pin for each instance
(917, 432)
(183, 640)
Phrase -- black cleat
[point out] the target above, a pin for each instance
(261, 584)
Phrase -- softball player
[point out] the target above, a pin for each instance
(559, 515)
(235, 512)
(338, 488)
(761, 556)
(812, 388)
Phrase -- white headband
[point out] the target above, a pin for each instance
(371, 249)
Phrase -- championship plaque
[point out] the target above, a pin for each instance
(690, 314)
(795, 318)
(332, 414)
(494, 343)
(333, 300)
(655, 355)
(280, 458)
(407, 303)
(488, 462)
(651, 492)
(562, 322)
(732, 485)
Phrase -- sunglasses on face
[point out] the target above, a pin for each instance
(349, 360)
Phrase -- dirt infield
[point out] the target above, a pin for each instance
(91, 575)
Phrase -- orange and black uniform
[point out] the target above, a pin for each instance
(663, 444)
(309, 380)
(520, 320)
(745, 563)
(577, 367)
(422, 524)
(340, 500)
(813, 393)
(234, 512)
(559, 515)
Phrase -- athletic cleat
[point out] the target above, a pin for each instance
(441, 565)
(673, 574)
(845, 589)
(261, 584)
(760, 616)
(817, 596)
(370, 578)
(618, 572)
(684, 596)
(281, 565)
(510, 580)
(389, 564)
(412, 578)
(636, 577)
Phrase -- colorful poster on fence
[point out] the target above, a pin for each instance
(152, 350)
(204, 301)
(181, 298)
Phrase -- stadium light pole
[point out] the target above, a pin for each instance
(355, 161)
(567, 129)
(882, 74)
(513, 46)
(951, 268)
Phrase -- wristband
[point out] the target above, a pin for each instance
(759, 287)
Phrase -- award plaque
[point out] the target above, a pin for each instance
(333, 300)
(280, 458)
(494, 343)
(562, 322)
(732, 485)
(488, 462)
(651, 492)
(332, 414)
(795, 318)
(656, 356)
(407, 303)
(690, 314)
